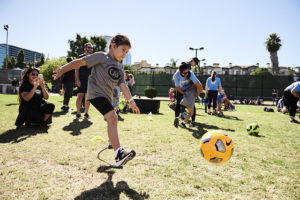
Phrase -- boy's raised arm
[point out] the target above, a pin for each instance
(75, 64)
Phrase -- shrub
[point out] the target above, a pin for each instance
(150, 92)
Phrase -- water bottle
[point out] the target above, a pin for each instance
(150, 116)
(69, 112)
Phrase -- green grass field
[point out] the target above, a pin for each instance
(61, 163)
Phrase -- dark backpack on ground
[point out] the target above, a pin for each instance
(268, 109)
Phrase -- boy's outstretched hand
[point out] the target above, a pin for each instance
(134, 108)
(57, 73)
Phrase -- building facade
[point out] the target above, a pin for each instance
(207, 69)
(30, 56)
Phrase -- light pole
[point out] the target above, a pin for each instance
(6, 28)
(196, 49)
(201, 60)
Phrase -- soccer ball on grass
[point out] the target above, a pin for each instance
(253, 129)
(216, 147)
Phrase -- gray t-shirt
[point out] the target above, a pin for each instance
(106, 74)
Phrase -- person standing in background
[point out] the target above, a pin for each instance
(68, 81)
(81, 76)
(213, 85)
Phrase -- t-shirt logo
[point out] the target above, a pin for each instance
(38, 92)
(114, 73)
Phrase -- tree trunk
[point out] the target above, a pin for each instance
(274, 61)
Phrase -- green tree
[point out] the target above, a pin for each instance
(4, 62)
(29, 64)
(173, 62)
(20, 59)
(273, 44)
(261, 72)
(41, 61)
(49, 66)
(99, 43)
(11, 63)
(77, 46)
(129, 68)
(297, 73)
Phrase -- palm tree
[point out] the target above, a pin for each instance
(173, 62)
(273, 44)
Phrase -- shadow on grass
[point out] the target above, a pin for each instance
(59, 113)
(107, 190)
(202, 129)
(75, 126)
(231, 117)
(11, 104)
(258, 135)
(18, 135)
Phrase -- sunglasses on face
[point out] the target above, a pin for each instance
(34, 74)
(185, 73)
(89, 47)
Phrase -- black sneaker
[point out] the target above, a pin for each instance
(183, 124)
(176, 122)
(87, 116)
(65, 108)
(123, 157)
(78, 116)
(294, 121)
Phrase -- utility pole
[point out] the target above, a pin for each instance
(6, 28)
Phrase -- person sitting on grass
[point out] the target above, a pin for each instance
(281, 107)
(220, 101)
(171, 95)
(107, 72)
(33, 107)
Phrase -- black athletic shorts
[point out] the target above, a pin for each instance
(102, 105)
(83, 86)
(68, 89)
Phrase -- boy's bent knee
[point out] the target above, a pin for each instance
(111, 117)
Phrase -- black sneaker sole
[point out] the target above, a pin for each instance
(129, 157)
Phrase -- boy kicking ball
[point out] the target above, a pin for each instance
(107, 73)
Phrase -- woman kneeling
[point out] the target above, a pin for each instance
(33, 108)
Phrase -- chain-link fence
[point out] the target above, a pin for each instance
(235, 85)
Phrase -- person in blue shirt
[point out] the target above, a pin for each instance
(281, 107)
(184, 79)
(291, 95)
(213, 85)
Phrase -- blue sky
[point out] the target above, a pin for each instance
(229, 30)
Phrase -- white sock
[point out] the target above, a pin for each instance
(183, 122)
(118, 149)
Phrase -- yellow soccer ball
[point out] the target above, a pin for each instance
(216, 146)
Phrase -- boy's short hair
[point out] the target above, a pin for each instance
(120, 40)
(69, 59)
(86, 44)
